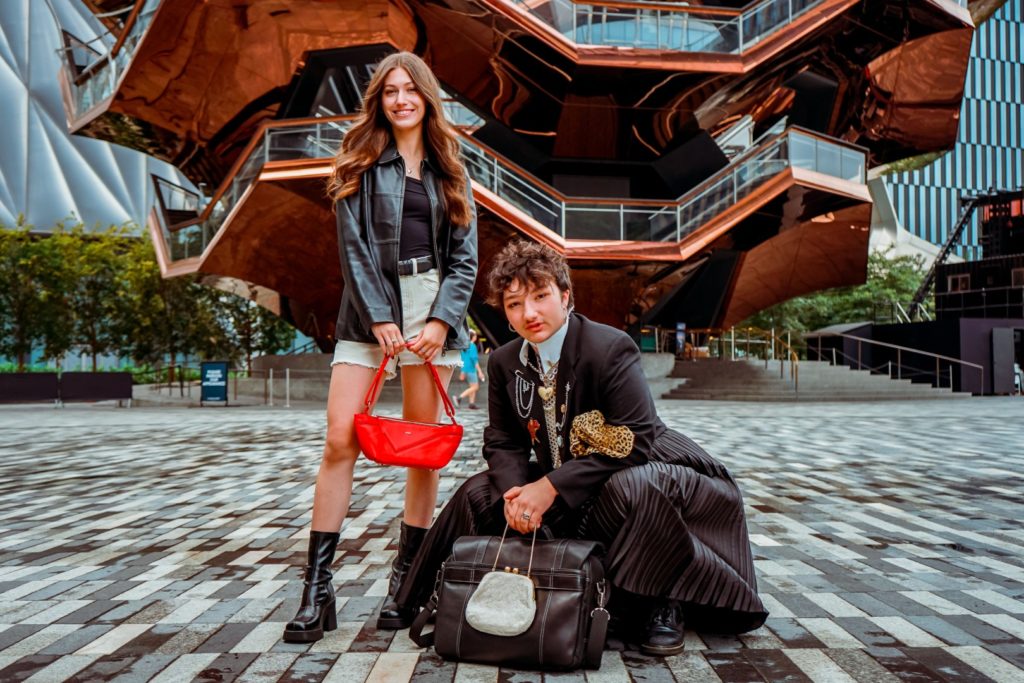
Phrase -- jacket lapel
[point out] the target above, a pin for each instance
(522, 389)
(566, 383)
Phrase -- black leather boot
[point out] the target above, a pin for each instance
(316, 612)
(664, 630)
(391, 615)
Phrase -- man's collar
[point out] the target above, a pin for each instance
(548, 351)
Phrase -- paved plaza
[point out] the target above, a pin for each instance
(166, 545)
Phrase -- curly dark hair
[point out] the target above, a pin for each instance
(526, 262)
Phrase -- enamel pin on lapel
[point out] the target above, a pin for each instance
(532, 426)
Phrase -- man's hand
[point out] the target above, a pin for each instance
(532, 500)
(429, 342)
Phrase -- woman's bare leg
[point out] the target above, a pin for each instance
(421, 402)
(333, 493)
(317, 613)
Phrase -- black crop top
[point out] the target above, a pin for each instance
(415, 240)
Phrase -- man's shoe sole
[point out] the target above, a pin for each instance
(662, 650)
(394, 623)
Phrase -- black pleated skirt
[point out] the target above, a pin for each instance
(673, 529)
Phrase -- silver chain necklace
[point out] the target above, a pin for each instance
(524, 387)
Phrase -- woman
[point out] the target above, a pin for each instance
(407, 237)
(669, 515)
(471, 372)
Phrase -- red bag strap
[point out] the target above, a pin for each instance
(375, 387)
(378, 381)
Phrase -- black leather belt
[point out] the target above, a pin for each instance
(416, 265)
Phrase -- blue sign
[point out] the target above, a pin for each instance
(213, 380)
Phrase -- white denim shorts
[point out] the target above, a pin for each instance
(418, 293)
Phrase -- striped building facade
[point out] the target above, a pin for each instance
(989, 152)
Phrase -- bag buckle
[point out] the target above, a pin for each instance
(437, 584)
(602, 599)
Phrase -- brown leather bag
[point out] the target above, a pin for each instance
(571, 622)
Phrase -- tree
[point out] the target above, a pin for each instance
(35, 275)
(890, 279)
(163, 318)
(249, 328)
(99, 286)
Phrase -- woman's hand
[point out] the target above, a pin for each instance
(429, 342)
(389, 336)
(532, 500)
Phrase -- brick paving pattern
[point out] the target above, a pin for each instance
(166, 545)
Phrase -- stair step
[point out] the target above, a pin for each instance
(749, 380)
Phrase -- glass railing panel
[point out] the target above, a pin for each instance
(815, 154)
(853, 165)
(686, 29)
(614, 222)
(747, 176)
(512, 186)
(572, 219)
(295, 143)
(654, 29)
(592, 222)
(98, 81)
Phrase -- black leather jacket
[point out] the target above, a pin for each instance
(369, 226)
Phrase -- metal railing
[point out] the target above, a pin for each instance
(667, 26)
(278, 141)
(900, 366)
(570, 218)
(96, 82)
(753, 343)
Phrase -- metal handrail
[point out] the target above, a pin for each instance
(98, 81)
(635, 220)
(769, 337)
(900, 349)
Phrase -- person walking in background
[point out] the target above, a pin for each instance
(407, 241)
(471, 372)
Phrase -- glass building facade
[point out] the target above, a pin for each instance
(47, 175)
(989, 152)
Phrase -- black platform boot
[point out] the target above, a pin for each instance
(391, 615)
(316, 612)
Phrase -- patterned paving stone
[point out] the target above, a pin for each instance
(166, 545)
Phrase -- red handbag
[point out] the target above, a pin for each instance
(403, 443)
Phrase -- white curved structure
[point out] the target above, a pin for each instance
(46, 174)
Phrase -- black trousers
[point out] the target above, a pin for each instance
(672, 529)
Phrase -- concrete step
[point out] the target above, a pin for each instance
(749, 379)
(816, 397)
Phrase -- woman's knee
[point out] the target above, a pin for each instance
(341, 445)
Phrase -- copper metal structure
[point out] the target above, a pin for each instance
(199, 83)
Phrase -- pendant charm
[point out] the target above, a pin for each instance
(546, 393)
(559, 441)
(562, 409)
(532, 426)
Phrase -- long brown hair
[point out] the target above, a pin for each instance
(371, 133)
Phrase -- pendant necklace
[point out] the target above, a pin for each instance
(548, 395)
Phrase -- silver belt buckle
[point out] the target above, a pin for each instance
(415, 266)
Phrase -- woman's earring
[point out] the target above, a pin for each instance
(510, 328)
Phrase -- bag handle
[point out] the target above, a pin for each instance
(378, 381)
(533, 544)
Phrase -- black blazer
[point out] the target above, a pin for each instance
(599, 369)
(369, 232)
